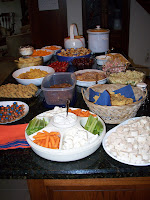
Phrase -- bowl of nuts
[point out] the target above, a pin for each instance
(70, 54)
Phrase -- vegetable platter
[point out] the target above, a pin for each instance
(74, 142)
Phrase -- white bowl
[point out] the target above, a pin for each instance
(102, 59)
(36, 81)
(55, 51)
(26, 51)
(89, 83)
(48, 57)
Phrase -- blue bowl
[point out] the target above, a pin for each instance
(69, 59)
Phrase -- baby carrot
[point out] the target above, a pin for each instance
(81, 113)
(47, 139)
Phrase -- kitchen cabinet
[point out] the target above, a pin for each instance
(111, 14)
(48, 27)
(91, 189)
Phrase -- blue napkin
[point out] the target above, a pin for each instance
(126, 91)
(104, 97)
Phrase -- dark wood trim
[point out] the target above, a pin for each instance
(137, 188)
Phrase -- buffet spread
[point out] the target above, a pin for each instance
(64, 135)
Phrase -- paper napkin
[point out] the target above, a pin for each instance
(13, 136)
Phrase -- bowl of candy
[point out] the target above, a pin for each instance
(83, 63)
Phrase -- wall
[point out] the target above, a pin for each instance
(74, 14)
(13, 6)
(139, 36)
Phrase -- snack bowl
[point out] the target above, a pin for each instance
(114, 114)
(90, 83)
(54, 48)
(26, 50)
(36, 81)
(45, 58)
(71, 58)
(83, 63)
(102, 59)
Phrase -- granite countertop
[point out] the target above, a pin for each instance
(25, 164)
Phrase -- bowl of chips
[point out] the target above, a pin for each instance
(33, 74)
(115, 113)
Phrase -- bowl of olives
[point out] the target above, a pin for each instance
(83, 63)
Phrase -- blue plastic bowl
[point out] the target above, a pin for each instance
(69, 59)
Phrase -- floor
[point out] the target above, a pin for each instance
(14, 190)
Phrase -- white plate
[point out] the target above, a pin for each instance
(110, 154)
(89, 83)
(26, 108)
(61, 155)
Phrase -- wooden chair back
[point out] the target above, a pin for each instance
(7, 21)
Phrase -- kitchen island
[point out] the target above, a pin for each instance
(97, 176)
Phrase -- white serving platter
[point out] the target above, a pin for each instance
(89, 83)
(26, 109)
(66, 155)
(110, 154)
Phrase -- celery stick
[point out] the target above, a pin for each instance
(92, 126)
(35, 125)
(89, 122)
(98, 128)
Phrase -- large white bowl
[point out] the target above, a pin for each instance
(36, 81)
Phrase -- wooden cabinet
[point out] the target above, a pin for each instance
(107, 13)
(90, 189)
(48, 27)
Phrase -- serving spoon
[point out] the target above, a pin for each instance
(67, 106)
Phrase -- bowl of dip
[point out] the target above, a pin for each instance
(64, 120)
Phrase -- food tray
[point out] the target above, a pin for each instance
(89, 83)
(111, 154)
(118, 55)
(61, 155)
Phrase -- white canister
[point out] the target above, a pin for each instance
(98, 40)
(74, 40)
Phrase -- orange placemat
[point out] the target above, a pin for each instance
(13, 137)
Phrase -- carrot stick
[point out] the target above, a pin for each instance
(50, 145)
(47, 139)
(46, 142)
(57, 143)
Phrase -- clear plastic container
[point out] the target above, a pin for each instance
(58, 96)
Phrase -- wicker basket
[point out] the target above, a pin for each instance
(114, 114)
